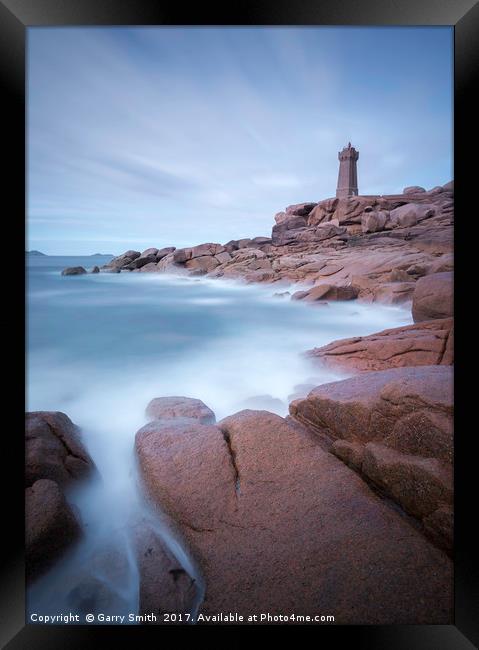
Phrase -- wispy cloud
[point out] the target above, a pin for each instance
(177, 135)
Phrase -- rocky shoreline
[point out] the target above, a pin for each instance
(346, 505)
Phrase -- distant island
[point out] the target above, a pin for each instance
(36, 253)
(102, 255)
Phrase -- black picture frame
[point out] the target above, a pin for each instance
(16, 16)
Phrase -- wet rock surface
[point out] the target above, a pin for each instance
(164, 585)
(53, 449)
(280, 524)
(55, 458)
(395, 427)
(50, 526)
(433, 297)
(167, 408)
(345, 506)
(423, 344)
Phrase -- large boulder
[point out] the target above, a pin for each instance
(350, 210)
(393, 426)
(236, 244)
(121, 261)
(374, 221)
(425, 344)
(165, 586)
(223, 257)
(279, 217)
(300, 209)
(53, 449)
(141, 261)
(411, 214)
(74, 270)
(328, 292)
(393, 293)
(433, 297)
(163, 252)
(294, 230)
(206, 249)
(151, 267)
(323, 212)
(50, 526)
(244, 243)
(150, 251)
(280, 525)
(166, 408)
(413, 189)
(168, 264)
(181, 255)
(201, 265)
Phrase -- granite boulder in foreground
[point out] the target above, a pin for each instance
(280, 525)
(50, 526)
(395, 428)
(55, 458)
(165, 586)
(53, 449)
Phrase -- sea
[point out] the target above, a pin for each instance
(101, 346)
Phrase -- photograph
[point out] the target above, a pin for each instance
(239, 380)
(242, 420)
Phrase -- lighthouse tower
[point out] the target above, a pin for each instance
(348, 173)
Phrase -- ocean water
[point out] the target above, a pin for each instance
(101, 346)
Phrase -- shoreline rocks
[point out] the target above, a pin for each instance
(347, 505)
(51, 526)
(279, 523)
(169, 408)
(395, 427)
(74, 270)
(379, 247)
(164, 585)
(423, 344)
(55, 458)
(53, 449)
(433, 297)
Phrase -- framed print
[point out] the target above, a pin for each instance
(242, 414)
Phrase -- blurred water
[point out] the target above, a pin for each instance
(100, 346)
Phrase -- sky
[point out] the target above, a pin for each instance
(161, 136)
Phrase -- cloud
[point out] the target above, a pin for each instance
(277, 180)
(175, 134)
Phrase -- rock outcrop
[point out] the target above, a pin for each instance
(168, 408)
(50, 526)
(54, 459)
(433, 297)
(381, 245)
(165, 586)
(345, 506)
(135, 261)
(74, 270)
(395, 428)
(425, 344)
(279, 524)
(53, 449)
(327, 292)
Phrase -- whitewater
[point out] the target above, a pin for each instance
(101, 346)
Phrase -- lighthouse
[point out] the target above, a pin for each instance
(348, 173)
